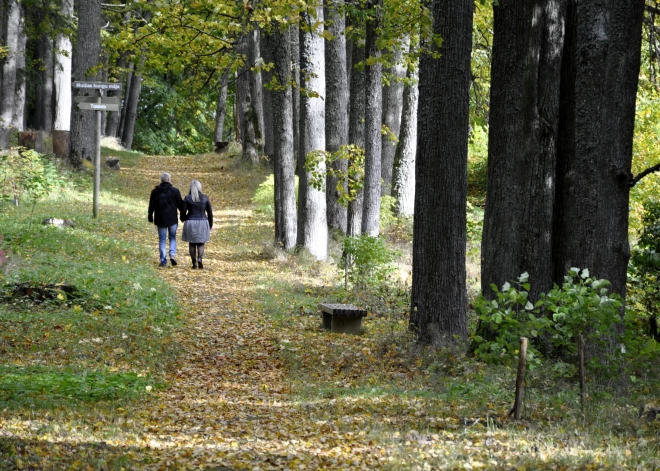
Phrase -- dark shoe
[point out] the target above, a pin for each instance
(163, 265)
(200, 264)
(173, 262)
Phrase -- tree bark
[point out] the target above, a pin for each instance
(9, 71)
(221, 108)
(356, 133)
(597, 106)
(250, 85)
(44, 87)
(131, 106)
(122, 115)
(85, 57)
(403, 177)
(439, 298)
(285, 164)
(373, 120)
(392, 113)
(114, 123)
(336, 109)
(524, 113)
(18, 117)
(62, 82)
(312, 223)
(266, 93)
(295, 64)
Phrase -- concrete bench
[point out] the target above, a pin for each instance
(342, 318)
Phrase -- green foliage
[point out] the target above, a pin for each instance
(26, 172)
(370, 261)
(318, 163)
(264, 197)
(581, 306)
(38, 385)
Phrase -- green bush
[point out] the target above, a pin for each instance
(370, 262)
(581, 306)
(27, 173)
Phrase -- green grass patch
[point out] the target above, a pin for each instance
(40, 386)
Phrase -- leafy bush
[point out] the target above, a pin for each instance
(370, 262)
(581, 306)
(26, 172)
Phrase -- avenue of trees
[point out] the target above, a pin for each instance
(368, 99)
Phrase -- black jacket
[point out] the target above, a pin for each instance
(164, 201)
(196, 210)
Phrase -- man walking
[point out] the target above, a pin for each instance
(163, 204)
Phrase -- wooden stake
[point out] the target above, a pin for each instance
(583, 380)
(520, 379)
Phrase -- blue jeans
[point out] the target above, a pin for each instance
(162, 247)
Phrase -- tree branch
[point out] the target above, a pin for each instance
(646, 172)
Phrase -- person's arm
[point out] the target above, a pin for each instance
(209, 213)
(152, 206)
(181, 205)
(183, 213)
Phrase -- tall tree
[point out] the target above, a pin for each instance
(112, 127)
(522, 148)
(356, 132)
(62, 82)
(392, 112)
(285, 165)
(439, 298)
(373, 120)
(18, 117)
(14, 24)
(336, 107)
(44, 87)
(250, 85)
(312, 223)
(266, 100)
(221, 107)
(295, 83)
(85, 60)
(403, 176)
(131, 102)
(597, 110)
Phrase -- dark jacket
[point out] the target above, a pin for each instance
(164, 201)
(196, 209)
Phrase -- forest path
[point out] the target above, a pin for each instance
(227, 403)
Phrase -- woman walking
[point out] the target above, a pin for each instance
(198, 222)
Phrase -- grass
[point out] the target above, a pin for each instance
(110, 335)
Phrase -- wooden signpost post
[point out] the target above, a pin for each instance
(100, 104)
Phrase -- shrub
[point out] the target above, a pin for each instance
(370, 262)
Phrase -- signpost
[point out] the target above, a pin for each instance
(100, 104)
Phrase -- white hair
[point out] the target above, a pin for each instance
(165, 177)
(195, 190)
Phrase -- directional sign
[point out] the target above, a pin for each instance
(107, 100)
(97, 85)
(98, 107)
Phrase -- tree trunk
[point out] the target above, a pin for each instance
(9, 71)
(62, 82)
(295, 64)
(44, 87)
(250, 85)
(312, 226)
(221, 108)
(131, 105)
(266, 93)
(122, 115)
(524, 113)
(599, 86)
(403, 177)
(336, 108)
(85, 57)
(373, 120)
(18, 117)
(113, 122)
(356, 133)
(256, 87)
(392, 111)
(285, 164)
(439, 298)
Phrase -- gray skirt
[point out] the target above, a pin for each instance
(196, 231)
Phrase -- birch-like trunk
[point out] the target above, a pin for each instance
(403, 176)
(336, 109)
(18, 117)
(312, 226)
(62, 83)
(221, 107)
(9, 70)
(373, 120)
(85, 58)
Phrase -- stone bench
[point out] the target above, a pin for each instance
(342, 318)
